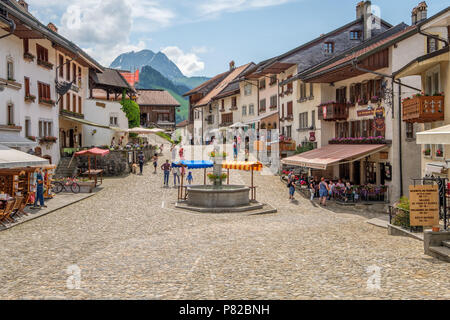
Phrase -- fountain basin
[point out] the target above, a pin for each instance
(226, 196)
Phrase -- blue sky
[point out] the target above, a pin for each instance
(203, 36)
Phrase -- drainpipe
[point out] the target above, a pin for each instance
(400, 155)
(12, 27)
(419, 30)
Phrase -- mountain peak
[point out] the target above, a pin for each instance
(159, 61)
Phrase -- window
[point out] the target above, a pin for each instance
(27, 86)
(311, 90)
(355, 35)
(10, 70)
(302, 91)
(273, 80)
(432, 86)
(42, 53)
(79, 76)
(244, 110)
(27, 128)
(10, 114)
(68, 101)
(313, 119)
(303, 120)
(262, 105)
(74, 72)
(26, 46)
(273, 101)
(341, 95)
(45, 128)
(227, 118)
(233, 102)
(328, 47)
(289, 108)
(61, 103)
(289, 131)
(248, 89)
(44, 91)
(290, 85)
(251, 110)
(262, 84)
(439, 151)
(409, 130)
(80, 109)
(432, 45)
(68, 69)
(61, 67)
(74, 106)
(113, 120)
(223, 104)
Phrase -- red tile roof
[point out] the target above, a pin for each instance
(156, 98)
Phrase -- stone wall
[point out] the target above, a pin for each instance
(117, 162)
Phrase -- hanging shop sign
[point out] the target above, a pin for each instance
(424, 205)
(380, 124)
(312, 136)
(388, 172)
(365, 112)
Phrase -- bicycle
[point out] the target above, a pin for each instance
(67, 185)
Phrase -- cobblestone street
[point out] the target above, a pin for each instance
(130, 243)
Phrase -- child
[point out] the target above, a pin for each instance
(155, 163)
(190, 178)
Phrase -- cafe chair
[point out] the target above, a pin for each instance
(15, 211)
(6, 212)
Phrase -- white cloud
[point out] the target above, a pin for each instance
(189, 63)
(215, 7)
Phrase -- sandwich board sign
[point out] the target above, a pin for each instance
(424, 206)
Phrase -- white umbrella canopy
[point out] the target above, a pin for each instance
(239, 125)
(11, 158)
(144, 130)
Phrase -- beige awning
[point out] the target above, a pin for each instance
(435, 167)
(333, 154)
(86, 122)
(439, 135)
(424, 63)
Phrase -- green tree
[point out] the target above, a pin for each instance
(132, 111)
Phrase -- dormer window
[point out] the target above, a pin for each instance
(355, 35)
(329, 47)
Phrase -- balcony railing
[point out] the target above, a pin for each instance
(423, 109)
(333, 111)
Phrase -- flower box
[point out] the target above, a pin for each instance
(48, 140)
(28, 56)
(32, 138)
(439, 153)
(45, 64)
(47, 102)
(30, 98)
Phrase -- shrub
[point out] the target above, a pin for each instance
(132, 111)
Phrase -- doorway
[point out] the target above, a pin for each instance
(357, 173)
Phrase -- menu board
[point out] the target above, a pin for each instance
(424, 205)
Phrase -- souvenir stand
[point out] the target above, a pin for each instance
(48, 171)
(191, 165)
(244, 166)
(94, 152)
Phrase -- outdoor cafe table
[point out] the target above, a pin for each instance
(94, 174)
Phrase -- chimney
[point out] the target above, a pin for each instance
(367, 15)
(232, 65)
(52, 27)
(24, 4)
(359, 10)
(419, 13)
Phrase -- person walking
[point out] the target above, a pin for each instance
(312, 189)
(190, 178)
(176, 176)
(155, 163)
(235, 148)
(181, 153)
(39, 190)
(141, 159)
(291, 186)
(166, 168)
(323, 191)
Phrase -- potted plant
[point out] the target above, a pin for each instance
(375, 99)
(439, 153)
(28, 56)
(427, 152)
(30, 98)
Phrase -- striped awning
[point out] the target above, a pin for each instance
(242, 165)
